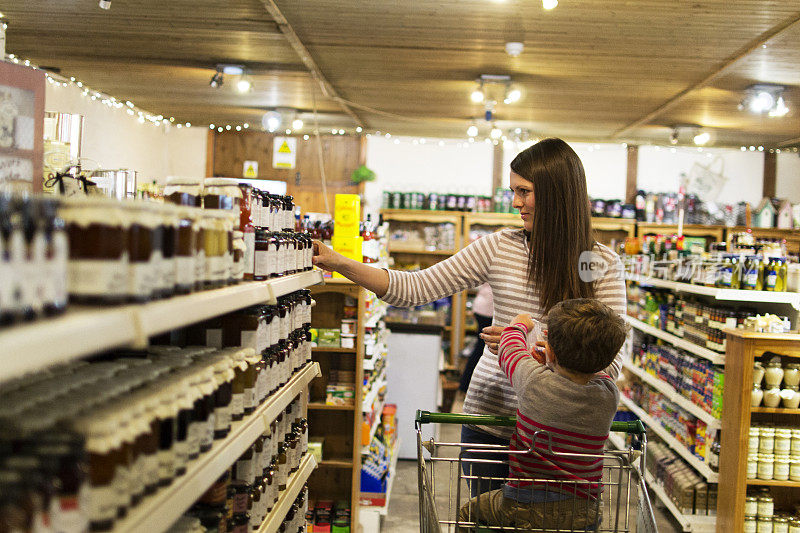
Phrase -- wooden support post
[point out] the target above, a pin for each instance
(770, 166)
(632, 174)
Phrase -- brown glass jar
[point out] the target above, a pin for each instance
(223, 374)
(221, 193)
(143, 259)
(265, 260)
(239, 251)
(169, 222)
(97, 232)
(239, 384)
(186, 250)
(104, 449)
(184, 191)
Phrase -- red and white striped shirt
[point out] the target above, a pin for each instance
(571, 418)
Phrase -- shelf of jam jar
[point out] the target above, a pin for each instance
(674, 396)
(774, 483)
(700, 351)
(295, 484)
(775, 410)
(161, 510)
(696, 463)
(173, 313)
(730, 295)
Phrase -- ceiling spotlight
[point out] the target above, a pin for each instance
(105, 4)
(764, 98)
(297, 124)
(514, 48)
(244, 85)
(496, 133)
(359, 129)
(549, 4)
(232, 70)
(477, 95)
(216, 80)
(472, 131)
(702, 138)
(780, 109)
(512, 96)
(271, 121)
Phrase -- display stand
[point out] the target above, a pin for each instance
(743, 349)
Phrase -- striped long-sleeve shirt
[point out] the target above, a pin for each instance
(571, 418)
(501, 259)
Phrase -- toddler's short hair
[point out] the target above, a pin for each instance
(585, 334)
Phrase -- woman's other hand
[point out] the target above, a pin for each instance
(325, 258)
(491, 336)
(525, 320)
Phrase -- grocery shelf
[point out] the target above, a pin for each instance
(673, 395)
(166, 315)
(86, 331)
(295, 484)
(337, 463)
(671, 441)
(161, 510)
(736, 295)
(325, 407)
(372, 320)
(332, 349)
(693, 523)
(700, 351)
(775, 410)
(369, 398)
(774, 483)
(384, 509)
(373, 429)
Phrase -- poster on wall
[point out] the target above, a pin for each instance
(21, 127)
(284, 152)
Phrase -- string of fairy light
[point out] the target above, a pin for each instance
(515, 139)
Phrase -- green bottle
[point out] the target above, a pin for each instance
(771, 275)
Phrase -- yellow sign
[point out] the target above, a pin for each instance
(284, 152)
(250, 169)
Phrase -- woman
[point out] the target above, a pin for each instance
(482, 310)
(529, 272)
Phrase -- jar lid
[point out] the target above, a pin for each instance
(754, 430)
(766, 499)
(183, 180)
(751, 499)
(767, 430)
(780, 519)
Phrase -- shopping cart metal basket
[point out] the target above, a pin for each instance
(449, 471)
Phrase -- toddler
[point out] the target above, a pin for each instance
(565, 396)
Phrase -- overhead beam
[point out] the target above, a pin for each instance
(743, 52)
(256, 68)
(305, 56)
(789, 142)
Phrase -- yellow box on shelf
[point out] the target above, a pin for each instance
(347, 216)
(349, 247)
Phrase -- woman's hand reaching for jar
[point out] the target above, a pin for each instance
(374, 279)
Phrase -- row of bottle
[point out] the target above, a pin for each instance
(437, 201)
(133, 419)
(243, 497)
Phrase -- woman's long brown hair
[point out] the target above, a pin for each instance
(562, 226)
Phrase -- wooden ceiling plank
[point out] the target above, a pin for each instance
(327, 89)
(773, 32)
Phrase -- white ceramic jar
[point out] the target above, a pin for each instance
(790, 397)
(758, 373)
(772, 397)
(753, 438)
(766, 440)
(794, 467)
(752, 466)
(766, 467)
(783, 441)
(791, 375)
(774, 373)
(781, 468)
(756, 396)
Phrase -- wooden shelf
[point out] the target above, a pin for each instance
(295, 484)
(773, 483)
(673, 395)
(332, 349)
(775, 410)
(160, 510)
(700, 351)
(337, 463)
(325, 407)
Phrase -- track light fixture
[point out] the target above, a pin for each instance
(689, 131)
(763, 98)
(271, 121)
(105, 4)
(477, 95)
(673, 136)
(216, 80)
(485, 93)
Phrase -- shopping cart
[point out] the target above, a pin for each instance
(449, 470)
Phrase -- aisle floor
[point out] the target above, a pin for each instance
(403, 516)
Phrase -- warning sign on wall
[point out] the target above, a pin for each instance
(250, 169)
(284, 152)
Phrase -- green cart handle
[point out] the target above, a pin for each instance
(426, 417)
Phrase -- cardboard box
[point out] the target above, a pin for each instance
(347, 216)
(329, 337)
(315, 446)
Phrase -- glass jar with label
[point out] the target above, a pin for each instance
(764, 525)
(183, 191)
(186, 249)
(753, 440)
(790, 397)
(750, 506)
(794, 525)
(781, 468)
(780, 524)
(794, 467)
(758, 373)
(783, 441)
(167, 275)
(103, 446)
(223, 395)
(766, 466)
(795, 442)
(772, 397)
(239, 251)
(766, 506)
(98, 232)
(221, 193)
(766, 440)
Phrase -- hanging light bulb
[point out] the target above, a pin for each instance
(549, 4)
(472, 131)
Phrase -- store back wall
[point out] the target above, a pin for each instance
(116, 140)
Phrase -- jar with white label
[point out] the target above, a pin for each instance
(795, 442)
(766, 506)
(758, 373)
(783, 441)
(750, 506)
(780, 524)
(794, 467)
(772, 397)
(753, 440)
(750, 524)
(794, 526)
(756, 396)
(764, 525)
(781, 468)
(752, 466)
(766, 440)
(766, 466)
(790, 397)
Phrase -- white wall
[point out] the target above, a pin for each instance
(605, 166)
(788, 176)
(117, 140)
(660, 170)
(439, 165)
